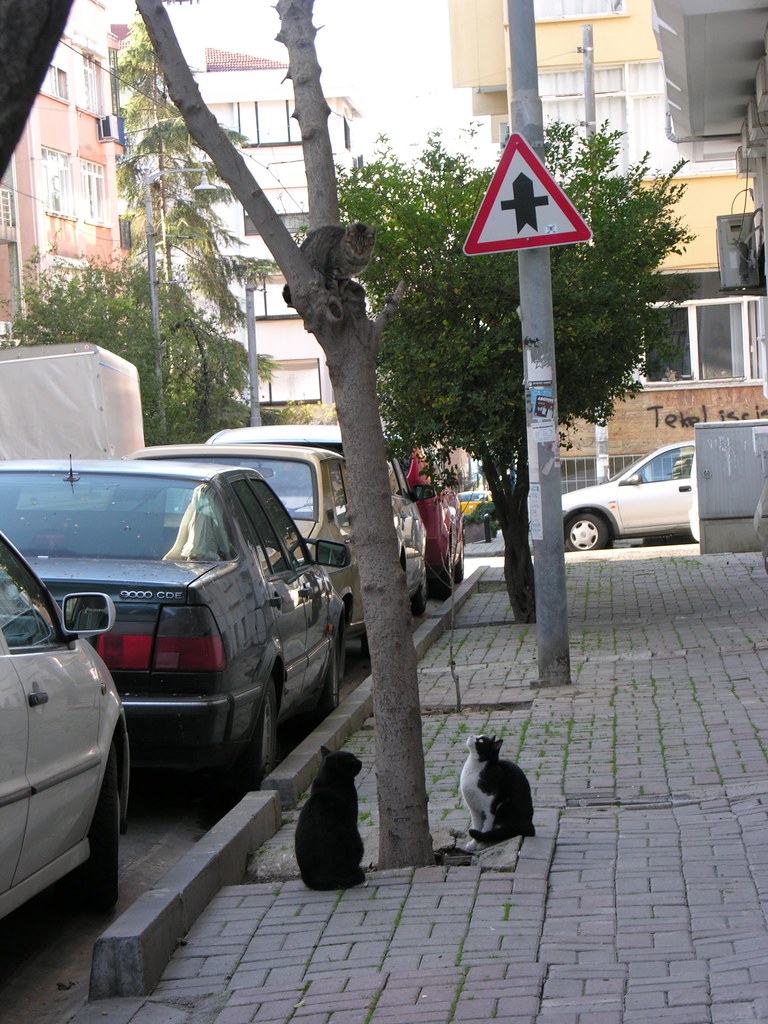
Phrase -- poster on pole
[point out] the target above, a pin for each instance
(524, 207)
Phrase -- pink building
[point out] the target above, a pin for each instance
(58, 197)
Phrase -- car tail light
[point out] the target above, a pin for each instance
(188, 640)
(127, 652)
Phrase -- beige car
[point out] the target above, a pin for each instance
(311, 484)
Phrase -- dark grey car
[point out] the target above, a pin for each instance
(226, 623)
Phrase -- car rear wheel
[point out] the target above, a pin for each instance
(586, 532)
(458, 569)
(440, 586)
(261, 754)
(419, 599)
(96, 881)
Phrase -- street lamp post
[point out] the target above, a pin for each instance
(253, 360)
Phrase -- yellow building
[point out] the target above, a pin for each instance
(719, 335)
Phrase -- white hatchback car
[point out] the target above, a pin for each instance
(654, 497)
(65, 763)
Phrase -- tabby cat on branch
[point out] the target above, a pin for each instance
(338, 253)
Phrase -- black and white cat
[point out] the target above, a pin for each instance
(328, 845)
(497, 794)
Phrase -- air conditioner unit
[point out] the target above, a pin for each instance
(739, 254)
(111, 128)
(757, 125)
(761, 85)
(746, 166)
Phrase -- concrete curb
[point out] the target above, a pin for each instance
(294, 774)
(131, 955)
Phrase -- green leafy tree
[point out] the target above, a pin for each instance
(205, 374)
(188, 231)
(450, 370)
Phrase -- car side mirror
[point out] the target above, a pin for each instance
(331, 554)
(88, 614)
(423, 492)
(632, 481)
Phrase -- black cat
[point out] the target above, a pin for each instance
(497, 794)
(339, 253)
(328, 844)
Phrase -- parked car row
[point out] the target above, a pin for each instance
(205, 595)
(428, 525)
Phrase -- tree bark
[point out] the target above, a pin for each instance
(512, 515)
(350, 342)
(29, 34)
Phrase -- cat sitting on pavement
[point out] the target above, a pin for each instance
(497, 794)
(328, 845)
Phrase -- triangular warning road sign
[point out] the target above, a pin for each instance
(523, 207)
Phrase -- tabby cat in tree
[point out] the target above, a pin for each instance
(497, 794)
(328, 845)
(338, 253)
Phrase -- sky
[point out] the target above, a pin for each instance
(391, 57)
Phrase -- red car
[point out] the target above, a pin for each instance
(444, 524)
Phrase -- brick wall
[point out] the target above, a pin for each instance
(666, 413)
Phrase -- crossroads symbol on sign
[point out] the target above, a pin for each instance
(523, 176)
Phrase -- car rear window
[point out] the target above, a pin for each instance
(113, 516)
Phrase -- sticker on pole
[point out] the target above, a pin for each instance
(523, 207)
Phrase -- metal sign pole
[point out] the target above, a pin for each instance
(540, 376)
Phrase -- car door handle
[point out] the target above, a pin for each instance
(37, 698)
(684, 487)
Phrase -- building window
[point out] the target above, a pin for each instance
(630, 97)
(58, 182)
(347, 134)
(294, 222)
(56, 83)
(94, 194)
(294, 380)
(273, 123)
(713, 338)
(114, 82)
(124, 226)
(91, 100)
(576, 8)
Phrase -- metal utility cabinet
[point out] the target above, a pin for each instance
(729, 476)
(62, 400)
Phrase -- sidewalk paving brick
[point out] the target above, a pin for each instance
(643, 896)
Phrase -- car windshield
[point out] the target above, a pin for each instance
(103, 515)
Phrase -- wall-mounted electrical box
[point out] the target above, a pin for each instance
(739, 253)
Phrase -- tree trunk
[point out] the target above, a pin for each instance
(350, 342)
(404, 837)
(512, 514)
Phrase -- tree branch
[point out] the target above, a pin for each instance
(297, 33)
(211, 138)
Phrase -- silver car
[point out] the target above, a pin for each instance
(65, 760)
(653, 497)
